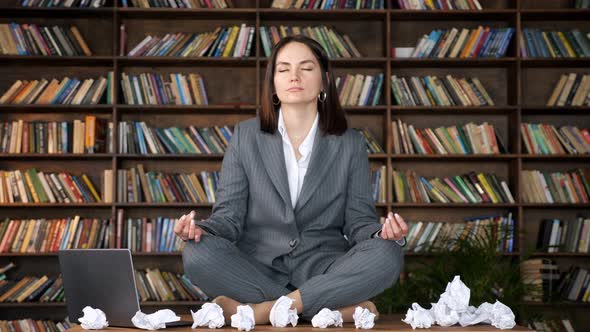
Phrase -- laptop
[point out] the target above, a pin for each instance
(103, 279)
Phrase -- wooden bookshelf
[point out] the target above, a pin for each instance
(519, 86)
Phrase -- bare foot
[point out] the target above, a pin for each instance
(229, 306)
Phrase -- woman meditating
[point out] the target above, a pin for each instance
(294, 214)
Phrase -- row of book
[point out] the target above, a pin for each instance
(433, 236)
(378, 184)
(542, 43)
(34, 39)
(68, 90)
(328, 4)
(157, 89)
(232, 41)
(540, 138)
(156, 285)
(572, 89)
(433, 91)
(335, 44)
(63, 3)
(137, 137)
(94, 135)
(152, 285)
(188, 4)
(471, 187)
(146, 234)
(373, 145)
(557, 235)
(556, 187)
(439, 4)
(35, 325)
(359, 89)
(550, 325)
(467, 43)
(575, 285)
(469, 138)
(51, 235)
(32, 289)
(136, 185)
(30, 186)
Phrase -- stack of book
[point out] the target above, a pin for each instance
(156, 89)
(94, 135)
(137, 137)
(359, 89)
(434, 91)
(51, 235)
(541, 278)
(571, 90)
(540, 138)
(373, 145)
(33, 39)
(557, 235)
(147, 234)
(67, 91)
(156, 285)
(31, 186)
(439, 4)
(538, 43)
(471, 187)
(467, 43)
(432, 236)
(335, 44)
(232, 41)
(469, 138)
(136, 185)
(327, 4)
(63, 3)
(189, 4)
(556, 187)
(32, 289)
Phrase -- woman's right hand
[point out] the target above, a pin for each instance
(186, 229)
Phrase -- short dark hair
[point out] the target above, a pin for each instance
(332, 116)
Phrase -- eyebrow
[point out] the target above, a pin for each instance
(287, 63)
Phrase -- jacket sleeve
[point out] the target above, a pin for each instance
(360, 217)
(231, 197)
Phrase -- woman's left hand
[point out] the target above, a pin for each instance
(394, 227)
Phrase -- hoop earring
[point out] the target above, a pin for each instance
(277, 102)
(322, 96)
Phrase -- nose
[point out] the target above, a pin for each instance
(295, 77)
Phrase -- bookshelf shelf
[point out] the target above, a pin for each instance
(560, 254)
(63, 304)
(519, 87)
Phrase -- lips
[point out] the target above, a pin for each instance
(295, 89)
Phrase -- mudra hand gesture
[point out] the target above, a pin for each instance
(394, 227)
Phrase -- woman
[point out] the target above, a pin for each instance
(294, 183)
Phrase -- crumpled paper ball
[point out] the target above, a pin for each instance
(327, 317)
(93, 319)
(418, 317)
(243, 319)
(210, 315)
(281, 313)
(363, 318)
(154, 321)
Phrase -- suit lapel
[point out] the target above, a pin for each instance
(273, 158)
(324, 151)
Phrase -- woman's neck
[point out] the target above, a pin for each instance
(298, 120)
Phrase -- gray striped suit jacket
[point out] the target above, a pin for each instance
(253, 206)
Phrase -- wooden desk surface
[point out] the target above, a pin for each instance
(389, 324)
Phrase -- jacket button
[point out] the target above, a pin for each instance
(293, 243)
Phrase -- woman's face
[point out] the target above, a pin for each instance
(297, 76)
